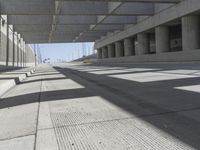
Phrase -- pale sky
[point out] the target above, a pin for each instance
(65, 51)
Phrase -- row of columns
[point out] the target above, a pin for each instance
(130, 47)
(12, 46)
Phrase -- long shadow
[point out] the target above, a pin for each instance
(36, 74)
(46, 79)
(45, 96)
(3, 69)
(175, 112)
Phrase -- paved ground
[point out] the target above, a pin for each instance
(75, 107)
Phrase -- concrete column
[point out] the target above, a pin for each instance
(162, 39)
(111, 50)
(119, 49)
(18, 50)
(143, 44)
(21, 54)
(129, 47)
(99, 53)
(7, 44)
(24, 58)
(104, 52)
(10, 42)
(191, 32)
(13, 45)
(3, 41)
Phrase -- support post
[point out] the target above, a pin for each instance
(190, 32)
(162, 39)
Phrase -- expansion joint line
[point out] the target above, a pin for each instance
(37, 122)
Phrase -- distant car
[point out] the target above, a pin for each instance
(86, 61)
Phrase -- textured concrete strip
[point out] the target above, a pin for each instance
(122, 134)
(21, 143)
(84, 110)
(46, 140)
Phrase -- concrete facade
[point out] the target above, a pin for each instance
(12, 48)
(173, 28)
(119, 28)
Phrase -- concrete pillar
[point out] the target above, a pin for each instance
(22, 52)
(7, 44)
(129, 47)
(111, 50)
(105, 52)
(15, 48)
(18, 50)
(99, 53)
(10, 42)
(3, 40)
(162, 39)
(24, 58)
(191, 32)
(143, 44)
(119, 49)
(13, 45)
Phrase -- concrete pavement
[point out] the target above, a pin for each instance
(9, 79)
(73, 106)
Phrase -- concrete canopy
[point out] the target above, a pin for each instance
(43, 21)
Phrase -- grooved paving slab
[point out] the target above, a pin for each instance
(133, 134)
(84, 110)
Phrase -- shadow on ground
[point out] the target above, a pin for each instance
(176, 112)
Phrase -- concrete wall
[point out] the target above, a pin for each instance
(15, 49)
(30, 57)
(12, 47)
(164, 36)
(193, 55)
(3, 40)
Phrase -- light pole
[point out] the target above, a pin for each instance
(35, 55)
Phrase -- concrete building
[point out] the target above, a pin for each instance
(123, 31)
(13, 48)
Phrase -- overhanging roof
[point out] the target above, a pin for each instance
(43, 21)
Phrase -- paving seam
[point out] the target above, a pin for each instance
(39, 98)
(6, 139)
